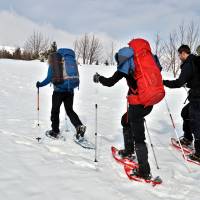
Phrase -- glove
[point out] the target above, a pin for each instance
(96, 78)
(38, 84)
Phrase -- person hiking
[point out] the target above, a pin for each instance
(190, 75)
(63, 73)
(140, 106)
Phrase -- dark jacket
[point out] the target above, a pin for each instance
(109, 82)
(190, 75)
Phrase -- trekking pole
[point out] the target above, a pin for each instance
(152, 146)
(175, 131)
(95, 159)
(38, 113)
(38, 106)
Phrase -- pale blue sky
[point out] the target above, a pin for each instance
(118, 19)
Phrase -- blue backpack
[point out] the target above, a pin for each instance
(70, 74)
(124, 59)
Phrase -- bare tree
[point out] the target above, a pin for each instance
(82, 48)
(111, 53)
(36, 44)
(76, 49)
(182, 35)
(170, 59)
(88, 48)
(158, 48)
(95, 49)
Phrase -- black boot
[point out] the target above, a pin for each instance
(142, 156)
(197, 147)
(129, 149)
(136, 172)
(52, 134)
(80, 131)
(195, 157)
(184, 141)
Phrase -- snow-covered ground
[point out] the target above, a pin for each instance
(56, 170)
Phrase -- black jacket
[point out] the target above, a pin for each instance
(109, 82)
(190, 75)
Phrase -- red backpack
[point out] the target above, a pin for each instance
(150, 89)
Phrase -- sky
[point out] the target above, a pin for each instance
(111, 20)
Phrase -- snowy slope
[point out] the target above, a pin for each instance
(63, 170)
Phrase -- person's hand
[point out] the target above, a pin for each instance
(38, 84)
(96, 78)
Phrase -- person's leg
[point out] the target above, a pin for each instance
(68, 103)
(186, 123)
(194, 112)
(55, 111)
(128, 137)
(136, 119)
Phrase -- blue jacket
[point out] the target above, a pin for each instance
(58, 88)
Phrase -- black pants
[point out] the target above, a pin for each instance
(57, 99)
(136, 114)
(191, 123)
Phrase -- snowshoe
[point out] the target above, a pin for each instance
(123, 160)
(186, 148)
(134, 175)
(193, 158)
(83, 142)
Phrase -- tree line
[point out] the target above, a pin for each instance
(37, 46)
(166, 49)
(90, 49)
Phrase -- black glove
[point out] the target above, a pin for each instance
(96, 78)
(38, 84)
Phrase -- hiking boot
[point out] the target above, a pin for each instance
(184, 141)
(80, 131)
(195, 157)
(126, 154)
(136, 172)
(52, 134)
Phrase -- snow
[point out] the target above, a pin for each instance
(63, 170)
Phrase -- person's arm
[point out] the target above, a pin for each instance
(186, 74)
(109, 82)
(48, 79)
